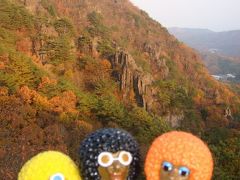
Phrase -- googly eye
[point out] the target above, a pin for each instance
(167, 166)
(125, 158)
(183, 171)
(57, 176)
(105, 159)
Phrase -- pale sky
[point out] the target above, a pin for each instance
(216, 15)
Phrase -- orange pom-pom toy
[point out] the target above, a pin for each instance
(178, 155)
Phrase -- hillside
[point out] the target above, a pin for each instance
(221, 64)
(69, 67)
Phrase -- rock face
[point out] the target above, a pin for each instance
(31, 5)
(131, 77)
(153, 50)
(174, 119)
(228, 113)
(160, 68)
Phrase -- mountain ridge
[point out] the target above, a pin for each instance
(69, 67)
(201, 29)
(225, 42)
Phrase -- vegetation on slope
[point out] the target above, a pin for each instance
(56, 79)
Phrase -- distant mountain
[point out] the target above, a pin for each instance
(219, 50)
(227, 42)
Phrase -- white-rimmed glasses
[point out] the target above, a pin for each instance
(106, 159)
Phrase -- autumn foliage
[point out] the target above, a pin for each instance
(57, 82)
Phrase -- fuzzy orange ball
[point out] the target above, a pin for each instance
(181, 149)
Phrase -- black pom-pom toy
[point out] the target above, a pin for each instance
(107, 140)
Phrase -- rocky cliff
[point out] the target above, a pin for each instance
(132, 77)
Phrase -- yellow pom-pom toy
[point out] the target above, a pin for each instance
(49, 165)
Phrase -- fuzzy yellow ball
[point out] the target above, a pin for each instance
(49, 165)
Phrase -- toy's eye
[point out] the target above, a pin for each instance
(183, 171)
(125, 158)
(57, 176)
(105, 159)
(167, 166)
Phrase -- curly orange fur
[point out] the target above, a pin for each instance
(181, 149)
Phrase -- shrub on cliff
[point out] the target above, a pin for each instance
(15, 17)
(59, 50)
(64, 27)
(108, 109)
(97, 27)
(20, 70)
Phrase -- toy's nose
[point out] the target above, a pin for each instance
(117, 167)
(174, 175)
